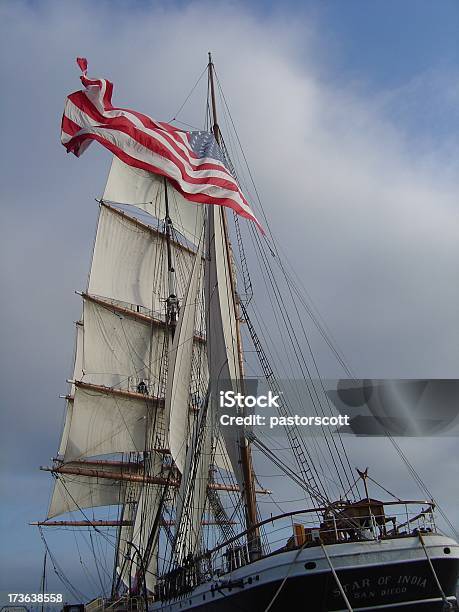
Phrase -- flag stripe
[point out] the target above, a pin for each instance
(199, 197)
(121, 118)
(153, 146)
(148, 138)
(158, 164)
(192, 161)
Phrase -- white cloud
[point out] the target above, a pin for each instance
(368, 217)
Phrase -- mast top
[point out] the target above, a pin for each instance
(215, 127)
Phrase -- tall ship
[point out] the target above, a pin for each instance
(170, 322)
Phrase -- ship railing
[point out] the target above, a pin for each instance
(300, 529)
(292, 530)
(124, 603)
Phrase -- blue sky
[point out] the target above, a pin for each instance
(370, 93)
(387, 42)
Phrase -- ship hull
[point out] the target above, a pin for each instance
(388, 575)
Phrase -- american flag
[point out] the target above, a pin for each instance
(192, 161)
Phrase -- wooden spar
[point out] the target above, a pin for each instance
(83, 523)
(117, 392)
(128, 465)
(164, 523)
(129, 476)
(145, 226)
(71, 398)
(171, 302)
(254, 541)
(139, 316)
(219, 486)
(124, 476)
(204, 523)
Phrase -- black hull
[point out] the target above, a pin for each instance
(395, 587)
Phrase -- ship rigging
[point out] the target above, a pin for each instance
(168, 313)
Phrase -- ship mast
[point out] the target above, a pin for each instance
(172, 301)
(250, 501)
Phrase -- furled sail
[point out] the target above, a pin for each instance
(221, 330)
(192, 493)
(128, 185)
(146, 526)
(177, 402)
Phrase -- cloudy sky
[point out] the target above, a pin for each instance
(348, 113)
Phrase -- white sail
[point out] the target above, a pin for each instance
(65, 432)
(221, 330)
(192, 493)
(147, 524)
(130, 263)
(104, 423)
(128, 185)
(177, 402)
(79, 348)
(77, 375)
(72, 492)
(120, 349)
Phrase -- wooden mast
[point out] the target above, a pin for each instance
(254, 541)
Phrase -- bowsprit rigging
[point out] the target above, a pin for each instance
(170, 317)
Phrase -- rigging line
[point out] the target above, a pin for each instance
(318, 448)
(422, 485)
(290, 469)
(83, 565)
(416, 476)
(328, 340)
(104, 535)
(60, 573)
(253, 182)
(97, 560)
(381, 487)
(299, 355)
(188, 503)
(122, 428)
(311, 387)
(188, 96)
(96, 564)
(324, 394)
(43, 579)
(154, 530)
(282, 584)
(322, 327)
(194, 127)
(327, 337)
(291, 334)
(283, 466)
(86, 516)
(128, 344)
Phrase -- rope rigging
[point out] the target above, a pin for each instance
(274, 249)
(323, 474)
